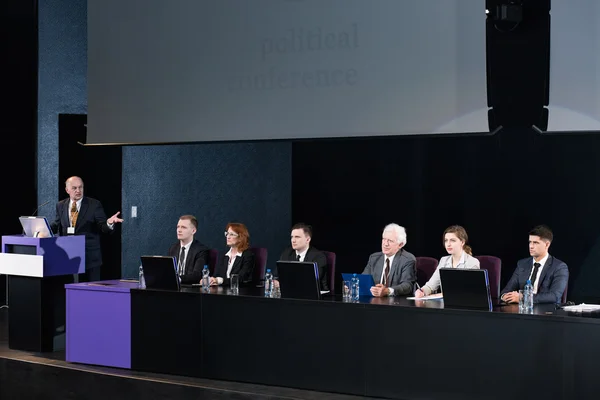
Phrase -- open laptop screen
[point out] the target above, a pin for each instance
(299, 280)
(36, 227)
(466, 288)
(160, 273)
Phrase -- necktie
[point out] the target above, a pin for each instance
(74, 214)
(386, 272)
(182, 262)
(298, 257)
(536, 267)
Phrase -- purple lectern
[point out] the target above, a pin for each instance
(37, 270)
(99, 323)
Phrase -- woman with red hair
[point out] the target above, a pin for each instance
(238, 260)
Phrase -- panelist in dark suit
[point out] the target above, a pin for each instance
(393, 269)
(79, 215)
(549, 275)
(239, 259)
(301, 250)
(191, 255)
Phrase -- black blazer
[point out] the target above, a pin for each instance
(312, 255)
(91, 221)
(552, 283)
(243, 266)
(195, 261)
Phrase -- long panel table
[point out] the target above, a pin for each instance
(389, 347)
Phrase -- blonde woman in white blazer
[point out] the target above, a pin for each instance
(460, 256)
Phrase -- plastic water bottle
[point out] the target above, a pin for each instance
(268, 283)
(141, 280)
(205, 279)
(528, 298)
(355, 290)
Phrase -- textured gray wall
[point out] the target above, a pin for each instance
(218, 183)
(62, 83)
(247, 182)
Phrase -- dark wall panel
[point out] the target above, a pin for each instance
(218, 183)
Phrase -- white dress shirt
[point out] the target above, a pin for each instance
(229, 266)
(302, 255)
(542, 263)
(391, 258)
(185, 255)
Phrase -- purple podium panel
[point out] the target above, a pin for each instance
(99, 323)
(63, 255)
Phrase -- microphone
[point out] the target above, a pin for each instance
(40, 206)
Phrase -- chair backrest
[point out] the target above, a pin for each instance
(330, 256)
(260, 263)
(494, 269)
(213, 258)
(425, 268)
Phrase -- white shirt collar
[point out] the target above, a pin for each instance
(187, 246)
(543, 260)
(463, 259)
(303, 254)
(78, 202)
(391, 258)
(238, 254)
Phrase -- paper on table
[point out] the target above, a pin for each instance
(437, 296)
(583, 308)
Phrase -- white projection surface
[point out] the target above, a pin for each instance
(574, 66)
(218, 70)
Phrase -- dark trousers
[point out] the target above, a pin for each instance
(90, 275)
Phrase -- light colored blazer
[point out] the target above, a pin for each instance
(466, 261)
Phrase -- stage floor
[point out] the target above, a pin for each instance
(51, 368)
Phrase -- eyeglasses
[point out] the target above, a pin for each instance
(231, 234)
(388, 241)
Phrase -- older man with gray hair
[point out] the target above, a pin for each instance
(393, 268)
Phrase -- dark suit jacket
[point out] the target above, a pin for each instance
(312, 255)
(551, 286)
(403, 272)
(242, 266)
(91, 221)
(195, 261)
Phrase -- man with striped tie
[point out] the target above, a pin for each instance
(393, 269)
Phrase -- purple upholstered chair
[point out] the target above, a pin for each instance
(260, 263)
(331, 265)
(213, 258)
(425, 268)
(494, 269)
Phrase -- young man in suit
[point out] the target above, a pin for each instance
(79, 215)
(393, 269)
(191, 255)
(549, 275)
(301, 250)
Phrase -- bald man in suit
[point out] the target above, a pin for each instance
(79, 215)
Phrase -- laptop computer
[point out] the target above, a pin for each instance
(466, 288)
(36, 227)
(365, 282)
(160, 273)
(298, 280)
